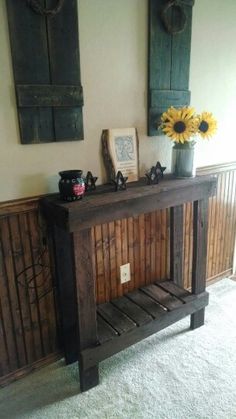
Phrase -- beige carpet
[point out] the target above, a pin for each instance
(175, 374)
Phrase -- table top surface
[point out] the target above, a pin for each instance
(105, 205)
(105, 194)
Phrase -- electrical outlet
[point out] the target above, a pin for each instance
(125, 273)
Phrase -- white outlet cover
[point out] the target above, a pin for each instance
(125, 273)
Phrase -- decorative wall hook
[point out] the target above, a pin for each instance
(90, 181)
(155, 174)
(167, 21)
(120, 182)
(39, 9)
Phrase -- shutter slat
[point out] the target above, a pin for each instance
(63, 43)
(49, 95)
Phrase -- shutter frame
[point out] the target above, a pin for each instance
(169, 62)
(45, 57)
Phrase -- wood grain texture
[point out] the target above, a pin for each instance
(64, 58)
(85, 289)
(47, 110)
(168, 64)
(104, 205)
(200, 226)
(161, 319)
(27, 309)
(142, 242)
(66, 292)
(48, 95)
(28, 328)
(86, 303)
(221, 225)
(176, 244)
(36, 124)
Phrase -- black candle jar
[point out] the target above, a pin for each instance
(71, 185)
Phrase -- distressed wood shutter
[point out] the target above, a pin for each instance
(45, 55)
(169, 61)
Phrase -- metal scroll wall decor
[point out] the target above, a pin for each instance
(170, 27)
(45, 56)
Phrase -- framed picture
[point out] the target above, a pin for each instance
(120, 152)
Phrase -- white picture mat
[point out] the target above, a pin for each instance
(123, 149)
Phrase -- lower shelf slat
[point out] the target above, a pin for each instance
(162, 297)
(105, 331)
(175, 290)
(134, 311)
(147, 303)
(115, 318)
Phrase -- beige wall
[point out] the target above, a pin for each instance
(113, 49)
(213, 75)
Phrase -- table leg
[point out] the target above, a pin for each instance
(200, 225)
(89, 378)
(176, 245)
(86, 304)
(66, 292)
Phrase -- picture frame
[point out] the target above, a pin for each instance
(121, 152)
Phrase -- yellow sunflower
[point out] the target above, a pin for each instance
(207, 125)
(179, 124)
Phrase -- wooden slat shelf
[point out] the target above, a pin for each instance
(147, 304)
(139, 314)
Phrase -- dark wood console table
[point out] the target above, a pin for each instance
(92, 332)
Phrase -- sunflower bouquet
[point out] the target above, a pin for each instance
(181, 125)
